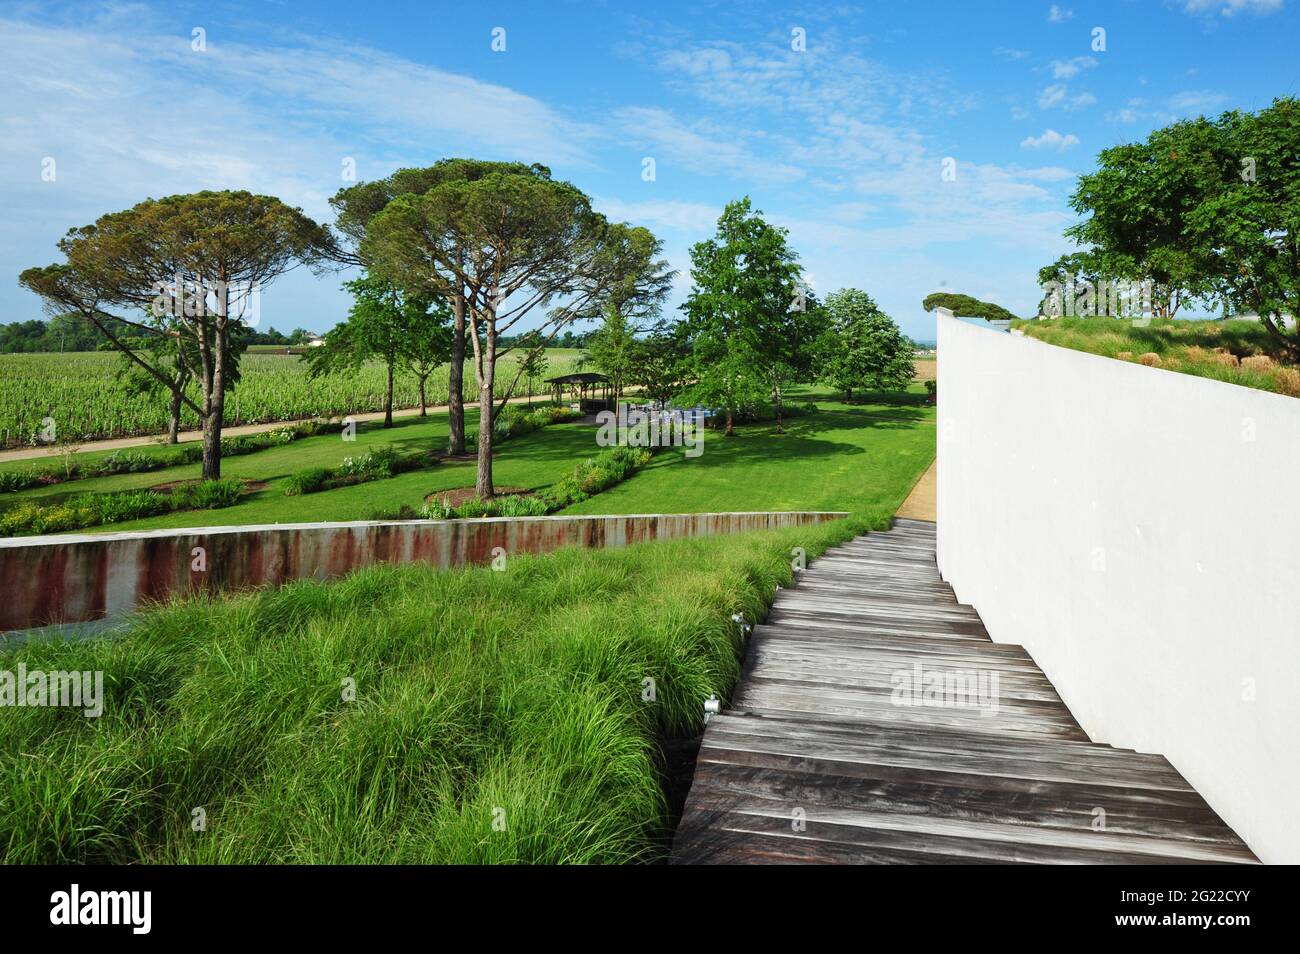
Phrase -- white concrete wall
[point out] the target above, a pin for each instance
(1138, 531)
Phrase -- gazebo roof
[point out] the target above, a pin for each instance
(582, 377)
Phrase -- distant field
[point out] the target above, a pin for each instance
(82, 393)
(1238, 352)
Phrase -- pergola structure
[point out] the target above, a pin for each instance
(592, 390)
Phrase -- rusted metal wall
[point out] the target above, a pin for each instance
(76, 578)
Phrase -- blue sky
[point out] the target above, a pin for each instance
(843, 142)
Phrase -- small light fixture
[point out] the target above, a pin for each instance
(712, 706)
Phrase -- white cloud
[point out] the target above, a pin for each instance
(1050, 139)
(1057, 14)
(1058, 94)
(669, 140)
(1066, 69)
(695, 218)
(1229, 8)
(1197, 101)
(1010, 53)
(1053, 95)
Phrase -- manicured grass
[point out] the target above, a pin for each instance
(1238, 351)
(498, 716)
(859, 458)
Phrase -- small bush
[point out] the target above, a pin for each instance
(307, 481)
(208, 495)
(376, 464)
(520, 506)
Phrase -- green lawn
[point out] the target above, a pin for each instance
(860, 458)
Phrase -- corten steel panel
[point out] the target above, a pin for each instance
(81, 577)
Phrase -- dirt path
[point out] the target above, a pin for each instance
(24, 453)
(920, 503)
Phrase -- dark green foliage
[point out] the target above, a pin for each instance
(964, 306)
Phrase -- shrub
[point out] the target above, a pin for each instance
(520, 506)
(307, 481)
(375, 464)
(515, 421)
(472, 508)
(208, 495)
(596, 474)
(92, 510)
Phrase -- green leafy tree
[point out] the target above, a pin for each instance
(1135, 210)
(745, 313)
(661, 363)
(1245, 220)
(864, 350)
(187, 266)
(612, 349)
(390, 325)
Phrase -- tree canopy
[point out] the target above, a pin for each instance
(863, 348)
(751, 322)
(187, 267)
(507, 244)
(964, 306)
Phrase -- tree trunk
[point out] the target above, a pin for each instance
(424, 409)
(456, 381)
(1288, 345)
(731, 429)
(485, 370)
(780, 423)
(174, 418)
(483, 485)
(388, 397)
(214, 406)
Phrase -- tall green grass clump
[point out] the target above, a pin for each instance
(400, 715)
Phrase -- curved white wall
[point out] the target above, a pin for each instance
(1138, 531)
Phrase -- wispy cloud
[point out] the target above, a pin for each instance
(1058, 94)
(1229, 8)
(1057, 14)
(1050, 139)
(1067, 69)
(1197, 101)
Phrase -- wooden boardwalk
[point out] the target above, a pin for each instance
(877, 723)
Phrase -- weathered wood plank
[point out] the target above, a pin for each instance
(817, 732)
